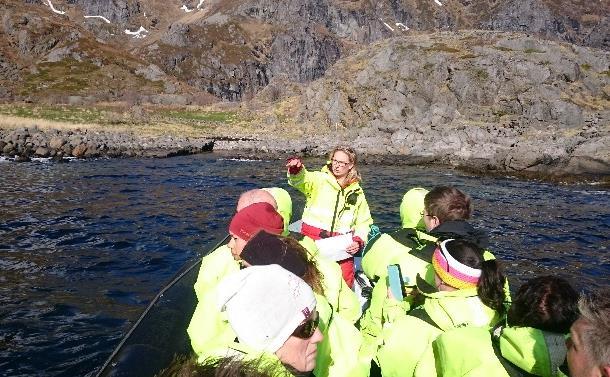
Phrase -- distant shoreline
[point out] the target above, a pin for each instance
(23, 144)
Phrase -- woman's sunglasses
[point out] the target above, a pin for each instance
(306, 329)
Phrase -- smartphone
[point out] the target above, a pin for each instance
(395, 281)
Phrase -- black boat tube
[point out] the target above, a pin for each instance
(107, 368)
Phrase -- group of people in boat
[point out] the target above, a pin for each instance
(270, 303)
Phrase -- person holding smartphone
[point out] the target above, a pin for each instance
(335, 202)
(467, 291)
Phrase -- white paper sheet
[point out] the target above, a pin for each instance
(334, 248)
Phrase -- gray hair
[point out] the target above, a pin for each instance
(595, 312)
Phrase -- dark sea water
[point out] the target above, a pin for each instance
(85, 245)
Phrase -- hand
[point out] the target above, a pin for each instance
(353, 248)
(294, 161)
(294, 165)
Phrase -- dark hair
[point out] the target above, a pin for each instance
(229, 366)
(547, 303)
(312, 276)
(490, 288)
(447, 203)
(266, 248)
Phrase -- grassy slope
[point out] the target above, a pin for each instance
(152, 120)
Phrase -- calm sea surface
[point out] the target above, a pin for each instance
(85, 245)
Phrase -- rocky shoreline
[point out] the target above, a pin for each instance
(23, 144)
(27, 143)
(572, 169)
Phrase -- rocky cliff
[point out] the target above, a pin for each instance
(234, 48)
(477, 99)
(511, 86)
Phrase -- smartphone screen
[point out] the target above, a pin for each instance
(395, 281)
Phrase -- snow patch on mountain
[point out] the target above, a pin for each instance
(101, 17)
(54, 9)
(138, 34)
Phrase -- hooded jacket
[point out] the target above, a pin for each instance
(210, 332)
(342, 299)
(339, 295)
(330, 207)
(406, 345)
(208, 327)
(412, 250)
(380, 250)
(507, 352)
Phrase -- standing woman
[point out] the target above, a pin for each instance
(335, 203)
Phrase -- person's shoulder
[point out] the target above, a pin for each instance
(468, 332)
(222, 253)
(413, 324)
(324, 173)
(405, 236)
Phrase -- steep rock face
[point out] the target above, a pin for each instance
(574, 22)
(508, 101)
(303, 56)
(214, 55)
(349, 20)
(234, 48)
(120, 11)
(240, 46)
(49, 59)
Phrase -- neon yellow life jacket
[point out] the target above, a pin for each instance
(388, 248)
(284, 204)
(407, 342)
(210, 331)
(384, 248)
(330, 207)
(338, 352)
(208, 327)
(381, 309)
(342, 299)
(412, 250)
(474, 352)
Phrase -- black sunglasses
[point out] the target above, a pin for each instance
(306, 329)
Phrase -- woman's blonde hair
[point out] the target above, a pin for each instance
(353, 175)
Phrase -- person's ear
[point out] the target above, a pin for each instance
(605, 369)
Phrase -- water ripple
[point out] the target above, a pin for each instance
(85, 246)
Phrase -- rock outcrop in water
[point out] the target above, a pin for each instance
(26, 143)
